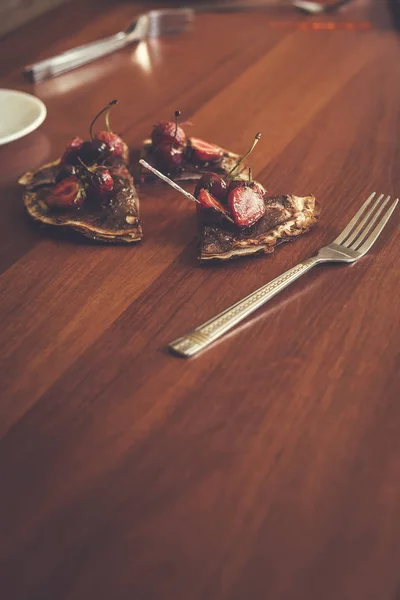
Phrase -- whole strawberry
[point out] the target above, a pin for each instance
(101, 146)
(115, 144)
(116, 147)
(169, 132)
(204, 151)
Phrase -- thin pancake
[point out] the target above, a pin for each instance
(285, 218)
(116, 221)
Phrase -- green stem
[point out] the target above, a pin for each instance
(109, 105)
(177, 115)
(235, 168)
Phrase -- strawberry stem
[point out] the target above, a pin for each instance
(177, 115)
(109, 105)
(84, 165)
(107, 120)
(250, 173)
(235, 168)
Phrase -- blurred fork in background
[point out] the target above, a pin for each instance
(154, 23)
(317, 8)
(310, 7)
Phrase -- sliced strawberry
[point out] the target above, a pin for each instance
(68, 193)
(247, 205)
(207, 200)
(205, 152)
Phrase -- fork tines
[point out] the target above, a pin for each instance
(357, 236)
(169, 21)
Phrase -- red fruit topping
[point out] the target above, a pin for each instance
(115, 144)
(74, 144)
(121, 171)
(164, 132)
(168, 158)
(214, 184)
(247, 205)
(254, 185)
(102, 180)
(67, 194)
(71, 149)
(205, 152)
(207, 200)
(257, 187)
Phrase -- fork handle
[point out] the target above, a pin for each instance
(201, 337)
(71, 59)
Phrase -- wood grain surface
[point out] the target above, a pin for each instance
(269, 466)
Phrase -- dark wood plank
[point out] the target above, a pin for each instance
(268, 466)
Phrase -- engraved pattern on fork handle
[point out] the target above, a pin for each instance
(204, 335)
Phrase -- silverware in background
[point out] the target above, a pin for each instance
(316, 8)
(354, 241)
(306, 6)
(154, 23)
(394, 11)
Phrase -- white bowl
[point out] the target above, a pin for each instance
(20, 113)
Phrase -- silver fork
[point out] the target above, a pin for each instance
(154, 23)
(355, 240)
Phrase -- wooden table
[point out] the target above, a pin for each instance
(268, 467)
